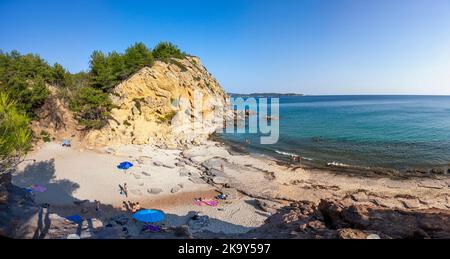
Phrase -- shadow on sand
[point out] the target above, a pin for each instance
(115, 223)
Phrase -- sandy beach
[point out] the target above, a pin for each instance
(170, 180)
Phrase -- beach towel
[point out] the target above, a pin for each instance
(211, 203)
(38, 188)
(152, 228)
(75, 218)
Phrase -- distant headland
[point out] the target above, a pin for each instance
(264, 94)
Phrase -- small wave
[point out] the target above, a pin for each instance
(292, 154)
(338, 164)
(284, 153)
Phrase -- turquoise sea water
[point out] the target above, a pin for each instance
(374, 131)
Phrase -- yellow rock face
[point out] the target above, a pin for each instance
(163, 104)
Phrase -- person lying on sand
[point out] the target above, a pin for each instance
(126, 206)
(135, 207)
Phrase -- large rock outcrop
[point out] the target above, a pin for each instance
(158, 105)
(55, 120)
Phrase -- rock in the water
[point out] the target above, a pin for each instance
(437, 170)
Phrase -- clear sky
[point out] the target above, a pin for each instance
(303, 46)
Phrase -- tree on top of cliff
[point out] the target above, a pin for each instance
(109, 70)
(136, 57)
(15, 135)
(91, 107)
(23, 78)
(164, 51)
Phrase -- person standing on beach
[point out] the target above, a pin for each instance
(97, 208)
(125, 189)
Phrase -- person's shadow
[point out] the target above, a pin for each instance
(43, 173)
(61, 191)
(43, 225)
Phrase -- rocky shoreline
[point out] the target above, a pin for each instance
(266, 199)
(350, 170)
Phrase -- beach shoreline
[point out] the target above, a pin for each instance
(257, 186)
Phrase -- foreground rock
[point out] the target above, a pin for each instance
(331, 219)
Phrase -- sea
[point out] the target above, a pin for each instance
(396, 132)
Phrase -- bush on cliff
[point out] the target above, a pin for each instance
(164, 51)
(24, 79)
(91, 107)
(108, 70)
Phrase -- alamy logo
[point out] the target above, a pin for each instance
(236, 115)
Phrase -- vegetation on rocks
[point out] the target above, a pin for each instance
(108, 70)
(165, 51)
(15, 135)
(91, 107)
(25, 80)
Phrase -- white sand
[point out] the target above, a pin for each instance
(73, 174)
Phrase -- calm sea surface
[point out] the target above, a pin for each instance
(373, 131)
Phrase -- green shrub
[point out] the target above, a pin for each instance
(91, 107)
(108, 70)
(24, 78)
(165, 51)
(15, 134)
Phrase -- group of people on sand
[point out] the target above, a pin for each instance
(128, 205)
(131, 206)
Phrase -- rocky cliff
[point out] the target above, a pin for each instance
(159, 104)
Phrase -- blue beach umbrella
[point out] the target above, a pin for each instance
(75, 218)
(149, 216)
(125, 165)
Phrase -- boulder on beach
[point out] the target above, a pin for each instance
(154, 190)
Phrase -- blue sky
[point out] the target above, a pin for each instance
(303, 46)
